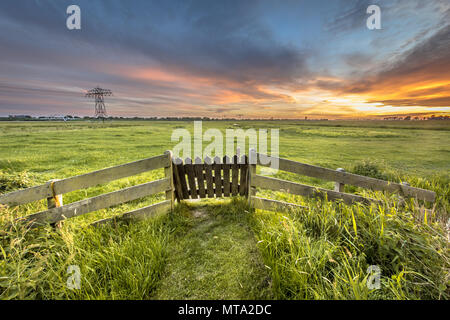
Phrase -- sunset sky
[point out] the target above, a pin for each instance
(217, 58)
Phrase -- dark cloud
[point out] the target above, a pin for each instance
(428, 102)
(358, 60)
(351, 15)
(210, 53)
(423, 64)
(221, 40)
(226, 110)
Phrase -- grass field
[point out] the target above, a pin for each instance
(211, 250)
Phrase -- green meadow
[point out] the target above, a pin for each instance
(220, 249)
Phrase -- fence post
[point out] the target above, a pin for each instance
(339, 187)
(55, 201)
(251, 173)
(168, 173)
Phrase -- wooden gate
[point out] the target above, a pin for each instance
(216, 178)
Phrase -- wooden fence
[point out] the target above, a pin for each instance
(211, 179)
(339, 176)
(222, 177)
(53, 191)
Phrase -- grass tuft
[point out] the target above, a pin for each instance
(324, 252)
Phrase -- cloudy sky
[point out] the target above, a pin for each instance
(220, 58)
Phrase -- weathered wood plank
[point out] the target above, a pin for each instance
(96, 203)
(168, 173)
(339, 187)
(176, 180)
(226, 176)
(305, 190)
(217, 177)
(83, 181)
(138, 214)
(182, 176)
(274, 205)
(55, 202)
(198, 168)
(243, 167)
(209, 177)
(251, 174)
(189, 168)
(349, 178)
(110, 174)
(26, 195)
(234, 176)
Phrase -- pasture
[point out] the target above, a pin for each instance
(220, 250)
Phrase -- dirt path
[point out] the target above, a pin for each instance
(216, 258)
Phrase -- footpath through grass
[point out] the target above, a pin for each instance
(215, 257)
(223, 251)
(200, 251)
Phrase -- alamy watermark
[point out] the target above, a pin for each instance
(374, 21)
(192, 145)
(74, 279)
(73, 21)
(373, 281)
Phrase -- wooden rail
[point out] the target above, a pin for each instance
(138, 214)
(99, 202)
(339, 176)
(54, 190)
(308, 191)
(348, 178)
(218, 177)
(83, 181)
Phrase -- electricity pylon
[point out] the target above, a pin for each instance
(98, 94)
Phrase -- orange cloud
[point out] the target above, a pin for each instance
(418, 84)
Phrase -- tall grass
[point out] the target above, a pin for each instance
(116, 262)
(324, 252)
